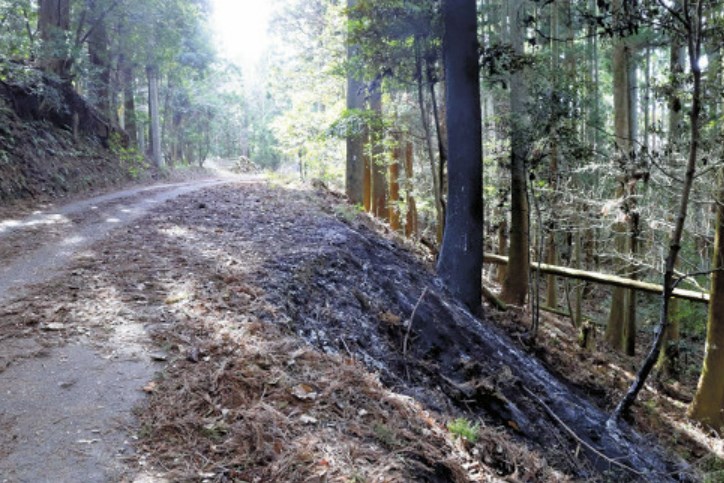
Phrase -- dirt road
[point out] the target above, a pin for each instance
(65, 401)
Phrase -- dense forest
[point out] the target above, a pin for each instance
(558, 162)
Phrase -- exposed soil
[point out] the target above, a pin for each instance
(52, 142)
(303, 345)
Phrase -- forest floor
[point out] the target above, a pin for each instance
(238, 330)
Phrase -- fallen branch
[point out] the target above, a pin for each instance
(605, 279)
(409, 325)
(578, 439)
(494, 300)
(563, 313)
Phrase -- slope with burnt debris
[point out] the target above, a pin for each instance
(358, 292)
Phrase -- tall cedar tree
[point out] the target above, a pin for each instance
(692, 21)
(354, 180)
(53, 25)
(708, 404)
(515, 285)
(461, 255)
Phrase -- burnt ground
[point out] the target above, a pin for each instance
(301, 344)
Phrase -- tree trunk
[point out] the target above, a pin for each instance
(668, 357)
(155, 135)
(633, 96)
(394, 182)
(595, 92)
(129, 102)
(615, 326)
(377, 161)
(367, 177)
(411, 219)
(436, 179)
(53, 25)
(708, 404)
(354, 173)
(694, 28)
(461, 255)
(501, 271)
(551, 282)
(168, 136)
(440, 131)
(578, 305)
(667, 365)
(551, 256)
(515, 285)
(99, 56)
(645, 107)
(629, 333)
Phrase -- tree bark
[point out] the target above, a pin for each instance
(551, 256)
(367, 176)
(515, 285)
(99, 56)
(394, 182)
(354, 173)
(461, 255)
(411, 218)
(377, 162)
(53, 25)
(668, 357)
(129, 101)
(617, 318)
(434, 172)
(440, 130)
(708, 404)
(155, 135)
(501, 272)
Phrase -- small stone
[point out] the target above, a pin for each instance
(307, 419)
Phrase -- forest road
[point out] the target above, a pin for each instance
(66, 400)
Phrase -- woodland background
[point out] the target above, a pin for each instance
(599, 117)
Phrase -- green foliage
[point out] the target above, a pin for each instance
(352, 122)
(712, 468)
(385, 31)
(465, 429)
(129, 156)
(17, 20)
(306, 93)
(347, 212)
(692, 318)
(385, 435)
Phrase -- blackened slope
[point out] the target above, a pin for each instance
(355, 290)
